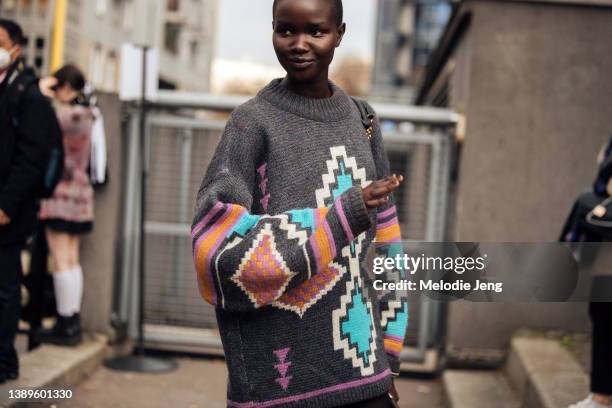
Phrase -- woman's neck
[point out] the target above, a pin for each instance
(318, 88)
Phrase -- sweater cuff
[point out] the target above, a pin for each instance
(394, 365)
(356, 214)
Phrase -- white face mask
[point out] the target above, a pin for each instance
(5, 58)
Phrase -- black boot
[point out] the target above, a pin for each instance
(8, 375)
(65, 332)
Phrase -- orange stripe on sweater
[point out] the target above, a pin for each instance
(393, 345)
(321, 238)
(207, 289)
(388, 234)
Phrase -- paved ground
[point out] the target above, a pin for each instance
(199, 383)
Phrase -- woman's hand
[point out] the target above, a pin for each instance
(46, 86)
(4, 219)
(377, 193)
(393, 391)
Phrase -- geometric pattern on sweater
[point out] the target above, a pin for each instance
(282, 367)
(302, 297)
(263, 274)
(354, 330)
(342, 171)
(342, 174)
(263, 186)
(394, 322)
(394, 313)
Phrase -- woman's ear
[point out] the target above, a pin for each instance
(340, 32)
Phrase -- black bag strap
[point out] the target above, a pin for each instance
(367, 115)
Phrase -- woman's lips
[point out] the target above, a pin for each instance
(300, 63)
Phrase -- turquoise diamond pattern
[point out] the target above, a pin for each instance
(345, 181)
(358, 326)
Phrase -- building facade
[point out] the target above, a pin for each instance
(531, 79)
(407, 33)
(183, 31)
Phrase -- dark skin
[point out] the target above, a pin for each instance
(306, 35)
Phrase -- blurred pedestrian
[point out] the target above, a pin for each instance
(68, 214)
(591, 220)
(294, 195)
(27, 126)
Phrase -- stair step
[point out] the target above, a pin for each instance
(54, 367)
(471, 389)
(545, 374)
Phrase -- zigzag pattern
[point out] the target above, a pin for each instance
(359, 174)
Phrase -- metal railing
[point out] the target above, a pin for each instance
(182, 133)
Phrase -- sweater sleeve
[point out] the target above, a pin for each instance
(393, 306)
(245, 261)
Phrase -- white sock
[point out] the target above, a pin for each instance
(63, 287)
(77, 276)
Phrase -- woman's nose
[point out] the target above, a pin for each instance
(300, 45)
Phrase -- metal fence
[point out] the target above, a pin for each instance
(182, 132)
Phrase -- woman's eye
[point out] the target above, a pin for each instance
(286, 32)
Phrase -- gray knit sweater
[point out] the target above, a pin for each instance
(279, 237)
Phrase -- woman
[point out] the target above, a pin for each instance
(294, 195)
(68, 214)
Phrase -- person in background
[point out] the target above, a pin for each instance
(580, 227)
(68, 214)
(26, 121)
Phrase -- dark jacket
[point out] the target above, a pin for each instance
(24, 154)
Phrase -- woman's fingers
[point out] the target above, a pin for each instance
(377, 193)
(385, 187)
(377, 202)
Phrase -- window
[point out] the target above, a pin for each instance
(171, 37)
(96, 64)
(173, 5)
(101, 7)
(25, 5)
(43, 7)
(194, 50)
(128, 15)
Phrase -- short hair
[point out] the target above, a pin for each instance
(14, 31)
(70, 74)
(338, 10)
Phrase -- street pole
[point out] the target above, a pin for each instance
(139, 362)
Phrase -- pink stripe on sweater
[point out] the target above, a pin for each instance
(389, 223)
(386, 213)
(207, 218)
(343, 220)
(311, 394)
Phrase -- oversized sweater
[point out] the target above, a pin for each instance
(279, 236)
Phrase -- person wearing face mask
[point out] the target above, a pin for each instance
(25, 129)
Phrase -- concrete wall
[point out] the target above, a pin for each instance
(538, 108)
(100, 248)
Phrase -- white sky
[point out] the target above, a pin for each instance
(245, 31)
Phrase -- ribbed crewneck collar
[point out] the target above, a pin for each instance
(335, 108)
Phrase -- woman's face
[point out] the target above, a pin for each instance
(305, 37)
(66, 93)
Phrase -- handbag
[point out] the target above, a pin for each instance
(601, 214)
